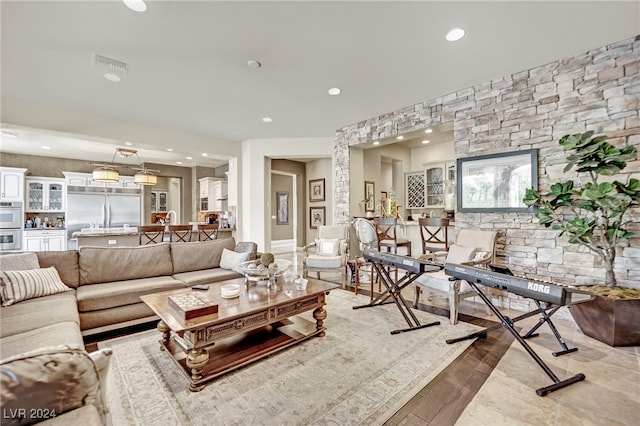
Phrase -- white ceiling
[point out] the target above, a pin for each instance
(188, 61)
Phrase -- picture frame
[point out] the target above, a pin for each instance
(369, 196)
(496, 182)
(317, 217)
(282, 205)
(316, 190)
(383, 195)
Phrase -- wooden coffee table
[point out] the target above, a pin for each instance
(261, 321)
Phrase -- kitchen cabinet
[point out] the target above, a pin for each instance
(213, 194)
(159, 201)
(45, 240)
(44, 194)
(12, 184)
(426, 188)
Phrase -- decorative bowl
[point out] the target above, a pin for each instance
(253, 270)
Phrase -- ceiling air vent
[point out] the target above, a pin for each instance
(111, 65)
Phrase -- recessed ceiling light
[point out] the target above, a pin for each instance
(455, 34)
(399, 138)
(252, 63)
(376, 143)
(112, 77)
(334, 91)
(428, 131)
(135, 5)
(189, 158)
(170, 149)
(178, 162)
(426, 141)
(128, 143)
(46, 147)
(267, 119)
(204, 154)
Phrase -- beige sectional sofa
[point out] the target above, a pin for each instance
(102, 289)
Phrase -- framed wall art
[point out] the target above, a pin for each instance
(282, 203)
(369, 196)
(317, 217)
(316, 190)
(496, 182)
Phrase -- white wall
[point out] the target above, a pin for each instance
(254, 207)
(431, 154)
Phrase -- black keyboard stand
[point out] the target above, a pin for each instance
(394, 291)
(546, 311)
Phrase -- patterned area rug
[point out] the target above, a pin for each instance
(357, 374)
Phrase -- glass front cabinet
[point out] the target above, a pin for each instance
(45, 195)
(426, 189)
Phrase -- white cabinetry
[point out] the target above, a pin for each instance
(44, 194)
(45, 240)
(12, 184)
(426, 188)
(213, 194)
(159, 201)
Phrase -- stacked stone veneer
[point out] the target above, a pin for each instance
(598, 90)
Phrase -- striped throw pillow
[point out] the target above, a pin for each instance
(16, 286)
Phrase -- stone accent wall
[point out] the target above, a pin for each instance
(598, 90)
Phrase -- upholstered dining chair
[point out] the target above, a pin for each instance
(329, 253)
(208, 231)
(151, 234)
(180, 233)
(472, 247)
(434, 233)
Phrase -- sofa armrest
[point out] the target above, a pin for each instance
(50, 381)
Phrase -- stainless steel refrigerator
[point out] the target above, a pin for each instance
(101, 207)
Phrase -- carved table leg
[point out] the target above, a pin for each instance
(319, 314)
(166, 334)
(196, 359)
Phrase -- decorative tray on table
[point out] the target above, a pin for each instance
(253, 270)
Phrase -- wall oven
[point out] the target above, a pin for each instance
(11, 219)
(11, 214)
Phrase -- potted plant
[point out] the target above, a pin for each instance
(591, 211)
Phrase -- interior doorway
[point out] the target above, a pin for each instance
(284, 212)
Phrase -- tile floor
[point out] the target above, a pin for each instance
(610, 394)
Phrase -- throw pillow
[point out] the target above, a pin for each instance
(327, 247)
(231, 259)
(22, 285)
(459, 254)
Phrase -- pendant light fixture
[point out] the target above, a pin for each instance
(107, 172)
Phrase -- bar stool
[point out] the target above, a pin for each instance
(208, 231)
(151, 234)
(386, 230)
(179, 233)
(435, 237)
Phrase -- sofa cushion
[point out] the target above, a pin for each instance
(119, 293)
(115, 318)
(22, 285)
(20, 317)
(247, 246)
(198, 255)
(50, 335)
(66, 262)
(48, 382)
(327, 247)
(206, 276)
(18, 262)
(231, 259)
(108, 264)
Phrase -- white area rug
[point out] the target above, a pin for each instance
(357, 374)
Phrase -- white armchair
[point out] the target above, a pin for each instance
(330, 254)
(472, 247)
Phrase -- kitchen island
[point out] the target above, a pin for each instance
(107, 237)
